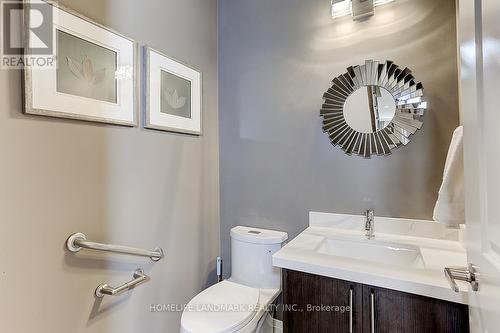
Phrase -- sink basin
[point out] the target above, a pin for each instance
(372, 250)
(406, 255)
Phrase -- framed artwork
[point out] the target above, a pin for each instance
(94, 74)
(172, 94)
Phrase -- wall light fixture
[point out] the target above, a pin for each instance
(358, 9)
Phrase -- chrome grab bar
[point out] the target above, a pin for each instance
(105, 289)
(77, 241)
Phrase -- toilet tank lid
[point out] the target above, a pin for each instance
(258, 236)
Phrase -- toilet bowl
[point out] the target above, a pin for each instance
(239, 303)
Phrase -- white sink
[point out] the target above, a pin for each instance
(405, 255)
(372, 250)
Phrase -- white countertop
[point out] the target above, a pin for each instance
(438, 246)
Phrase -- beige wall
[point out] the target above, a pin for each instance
(120, 185)
(276, 58)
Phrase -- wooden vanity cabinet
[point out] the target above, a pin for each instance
(303, 293)
(306, 298)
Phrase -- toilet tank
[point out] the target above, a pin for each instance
(251, 256)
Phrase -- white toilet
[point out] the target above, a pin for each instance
(239, 304)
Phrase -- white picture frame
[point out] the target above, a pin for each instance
(165, 108)
(42, 95)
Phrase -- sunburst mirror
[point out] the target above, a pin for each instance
(373, 108)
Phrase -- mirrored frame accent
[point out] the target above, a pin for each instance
(408, 94)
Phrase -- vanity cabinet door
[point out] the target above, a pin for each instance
(390, 311)
(317, 304)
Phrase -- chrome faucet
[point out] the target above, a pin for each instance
(369, 224)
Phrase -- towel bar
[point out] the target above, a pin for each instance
(78, 240)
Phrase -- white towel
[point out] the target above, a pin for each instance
(450, 205)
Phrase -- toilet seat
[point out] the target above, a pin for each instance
(221, 308)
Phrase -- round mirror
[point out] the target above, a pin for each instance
(369, 109)
(373, 108)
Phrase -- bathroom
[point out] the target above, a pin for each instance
(244, 207)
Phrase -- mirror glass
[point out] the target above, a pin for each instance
(369, 109)
(373, 108)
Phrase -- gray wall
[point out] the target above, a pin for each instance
(276, 58)
(121, 185)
